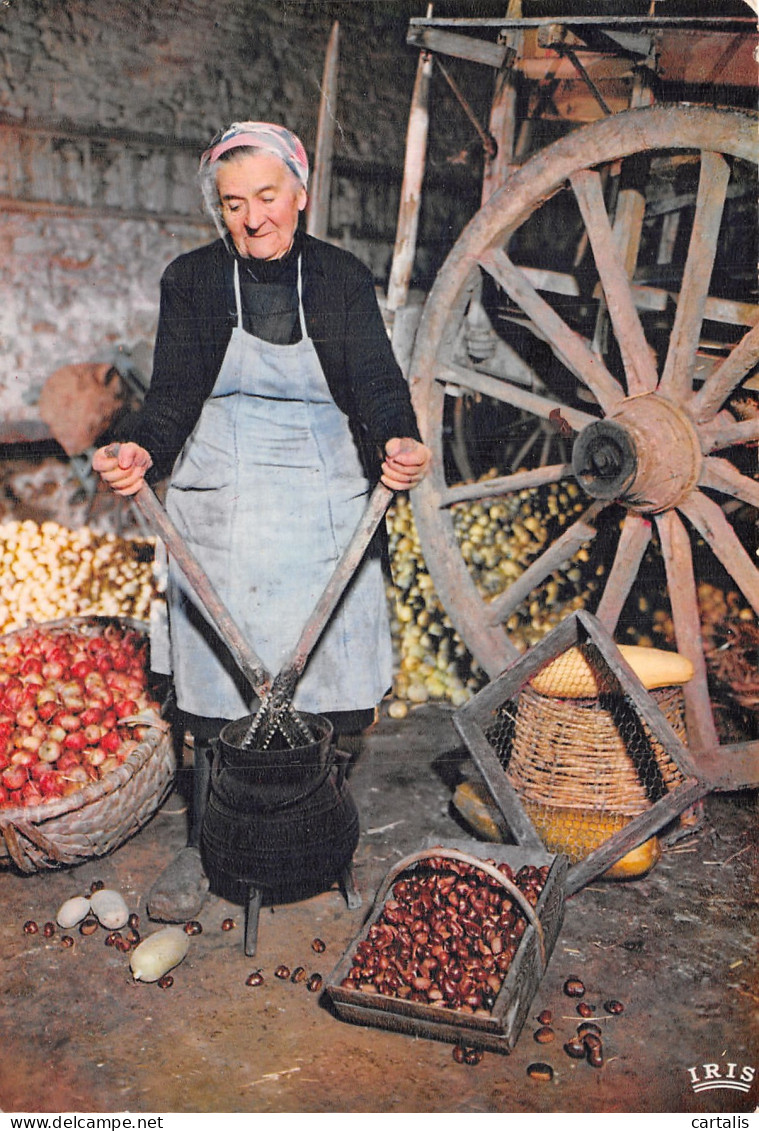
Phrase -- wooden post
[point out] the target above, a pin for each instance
(411, 188)
(317, 223)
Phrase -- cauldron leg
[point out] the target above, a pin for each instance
(350, 891)
(252, 911)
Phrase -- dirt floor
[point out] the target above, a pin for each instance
(677, 948)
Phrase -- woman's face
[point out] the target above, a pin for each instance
(260, 201)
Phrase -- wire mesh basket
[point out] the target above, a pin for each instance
(590, 775)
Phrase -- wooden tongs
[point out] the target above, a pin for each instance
(276, 712)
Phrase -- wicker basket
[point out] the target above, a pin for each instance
(103, 814)
(584, 767)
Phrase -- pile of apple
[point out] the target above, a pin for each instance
(68, 701)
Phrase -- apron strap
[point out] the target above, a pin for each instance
(238, 297)
(301, 312)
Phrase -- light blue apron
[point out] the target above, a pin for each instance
(267, 492)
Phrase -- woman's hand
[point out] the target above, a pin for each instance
(406, 463)
(122, 467)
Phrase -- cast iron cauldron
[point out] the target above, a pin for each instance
(280, 825)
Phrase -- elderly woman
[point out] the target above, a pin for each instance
(274, 393)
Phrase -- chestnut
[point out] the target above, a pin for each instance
(111, 937)
(540, 1071)
(255, 979)
(544, 1035)
(165, 982)
(585, 1009)
(96, 885)
(573, 987)
(88, 926)
(575, 1048)
(319, 946)
(67, 941)
(133, 922)
(545, 1017)
(596, 1058)
(314, 983)
(48, 930)
(193, 927)
(298, 974)
(228, 925)
(122, 945)
(133, 937)
(588, 1027)
(30, 927)
(472, 1056)
(282, 972)
(614, 1007)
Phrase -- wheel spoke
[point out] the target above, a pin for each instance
(568, 346)
(677, 377)
(507, 393)
(565, 546)
(681, 583)
(721, 475)
(728, 374)
(725, 430)
(633, 542)
(504, 484)
(637, 357)
(709, 520)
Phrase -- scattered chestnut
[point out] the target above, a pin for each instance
(88, 926)
(111, 937)
(573, 987)
(255, 979)
(596, 1058)
(588, 1027)
(472, 1056)
(614, 1007)
(585, 1009)
(48, 930)
(540, 1071)
(122, 945)
(298, 974)
(282, 972)
(228, 925)
(459, 1053)
(314, 983)
(318, 946)
(575, 1048)
(67, 941)
(133, 922)
(545, 1017)
(96, 885)
(592, 1041)
(133, 937)
(193, 927)
(544, 1035)
(30, 927)
(165, 981)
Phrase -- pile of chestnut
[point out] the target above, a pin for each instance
(447, 936)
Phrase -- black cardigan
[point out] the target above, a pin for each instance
(196, 318)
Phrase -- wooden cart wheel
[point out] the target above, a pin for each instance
(613, 368)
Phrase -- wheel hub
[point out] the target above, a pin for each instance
(646, 454)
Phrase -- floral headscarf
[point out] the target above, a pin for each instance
(265, 136)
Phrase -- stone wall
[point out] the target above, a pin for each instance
(104, 108)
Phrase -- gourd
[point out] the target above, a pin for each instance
(159, 953)
(572, 676)
(72, 912)
(109, 908)
(635, 863)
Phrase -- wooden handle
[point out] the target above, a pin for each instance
(247, 660)
(343, 572)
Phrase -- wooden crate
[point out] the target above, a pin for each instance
(497, 1031)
